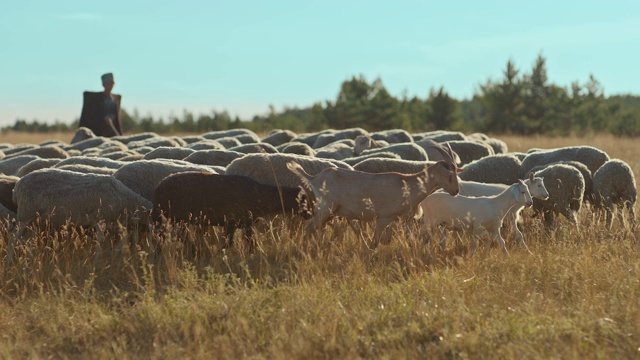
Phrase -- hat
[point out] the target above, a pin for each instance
(107, 78)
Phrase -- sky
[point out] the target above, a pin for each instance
(243, 56)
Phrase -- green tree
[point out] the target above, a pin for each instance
(504, 103)
(444, 113)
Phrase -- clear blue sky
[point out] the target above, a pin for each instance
(242, 56)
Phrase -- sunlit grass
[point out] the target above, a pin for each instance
(175, 293)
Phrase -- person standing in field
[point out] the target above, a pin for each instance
(101, 110)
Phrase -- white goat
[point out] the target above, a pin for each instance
(384, 197)
(475, 214)
(536, 188)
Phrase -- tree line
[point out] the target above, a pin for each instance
(521, 102)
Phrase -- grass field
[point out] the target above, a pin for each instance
(66, 295)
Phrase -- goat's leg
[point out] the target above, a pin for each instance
(381, 229)
(499, 240)
(318, 220)
(229, 230)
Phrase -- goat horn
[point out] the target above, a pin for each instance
(445, 153)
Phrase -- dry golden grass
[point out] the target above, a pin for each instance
(65, 295)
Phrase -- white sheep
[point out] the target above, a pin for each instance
(83, 199)
(383, 198)
(271, 169)
(536, 188)
(168, 152)
(11, 165)
(213, 157)
(474, 214)
(566, 187)
(278, 137)
(406, 151)
(382, 165)
(469, 151)
(588, 155)
(615, 186)
(36, 164)
(143, 176)
(91, 161)
(499, 169)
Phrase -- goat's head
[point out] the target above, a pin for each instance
(363, 142)
(522, 194)
(537, 188)
(448, 171)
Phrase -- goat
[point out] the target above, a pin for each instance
(474, 213)
(384, 197)
(536, 188)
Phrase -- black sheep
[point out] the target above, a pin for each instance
(223, 200)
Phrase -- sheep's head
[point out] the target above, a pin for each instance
(363, 142)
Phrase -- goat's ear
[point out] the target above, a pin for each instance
(521, 182)
(531, 174)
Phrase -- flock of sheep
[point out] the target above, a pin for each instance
(442, 179)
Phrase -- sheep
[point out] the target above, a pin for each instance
(498, 169)
(440, 136)
(222, 200)
(499, 146)
(588, 155)
(205, 144)
(536, 188)
(87, 144)
(154, 142)
(213, 157)
(296, 148)
(566, 191)
(384, 165)
(311, 138)
(364, 142)
(91, 161)
(331, 137)
(18, 148)
(271, 169)
(589, 195)
(143, 176)
(392, 136)
(176, 153)
(83, 199)
(215, 135)
(192, 139)
(469, 151)
(336, 151)
(406, 151)
(126, 139)
(254, 148)
(87, 169)
(380, 155)
(1, 155)
(131, 157)
(475, 214)
(178, 140)
(279, 137)
(82, 133)
(615, 185)
(119, 155)
(228, 142)
(6, 214)
(10, 166)
(45, 152)
(385, 197)
(36, 164)
(7, 183)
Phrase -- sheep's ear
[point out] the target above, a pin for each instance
(458, 170)
(531, 174)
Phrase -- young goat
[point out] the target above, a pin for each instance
(476, 214)
(536, 188)
(384, 197)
